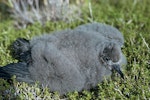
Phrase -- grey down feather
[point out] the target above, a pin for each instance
(68, 60)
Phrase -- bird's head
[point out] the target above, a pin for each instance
(111, 57)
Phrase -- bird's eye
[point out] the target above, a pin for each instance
(106, 58)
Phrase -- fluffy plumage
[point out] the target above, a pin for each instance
(107, 31)
(70, 60)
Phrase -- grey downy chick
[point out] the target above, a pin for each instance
(66, 61)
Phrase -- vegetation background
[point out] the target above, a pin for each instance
(131, 17)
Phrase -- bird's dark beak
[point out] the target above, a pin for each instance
(116, 67)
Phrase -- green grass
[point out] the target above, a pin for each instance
(131, 17)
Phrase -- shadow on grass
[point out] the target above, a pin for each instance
(7, 91)
(4, 12)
